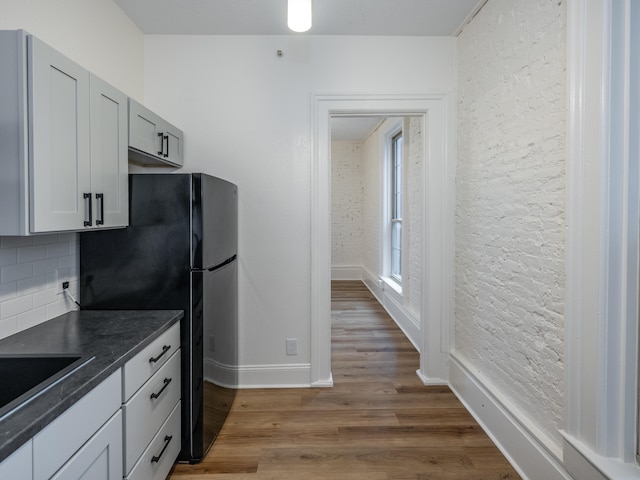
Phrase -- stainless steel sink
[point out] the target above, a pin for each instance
(24, 376)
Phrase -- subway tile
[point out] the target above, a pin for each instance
(32, 285)
(58, 250)
(71, 238)
(8, 291)
(45, 297)
(32, 318)
(7, 242)
(16, 306)
(45, 239)
(13, 273)
(32, 253)
(45, 266)
(69, 261)
(8, 256)
(8, 326)
(58, 308)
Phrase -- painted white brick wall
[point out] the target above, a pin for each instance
(372, 204)
(28, 279)
(412, 276)
(346, 203)
(510, 212)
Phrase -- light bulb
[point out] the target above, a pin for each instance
(299, 15)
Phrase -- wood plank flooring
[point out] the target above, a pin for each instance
(378, 422)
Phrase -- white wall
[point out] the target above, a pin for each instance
(246, 114)
(346, 207)
(98, 36)
(402, 302)
(94, 33)
(373, 198)
(510, 213)
(413, 206)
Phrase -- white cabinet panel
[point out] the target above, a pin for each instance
(98, 459)
(141, 367)
(152, 140)
(59, 441)
(157, 460)
(147, 410)
(63, 141)
(59, 140)
(18, 466)
(109, 162)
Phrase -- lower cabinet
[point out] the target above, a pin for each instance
(151, 409)
(128, 426)
(156, 461)
(54, 446)
(19, 464)
(98, 459)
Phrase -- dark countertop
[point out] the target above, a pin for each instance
(112, 337)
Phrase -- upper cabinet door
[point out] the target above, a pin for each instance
(60, 177)
(152, 140)
(109, 162)
(173, 145)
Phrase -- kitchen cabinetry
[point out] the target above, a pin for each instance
(152, 140)
(151, 409)
(88, 434)
(63, 143)
(18, 465)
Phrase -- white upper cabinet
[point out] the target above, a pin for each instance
(64, 153)
(152, 140)
(109, 162)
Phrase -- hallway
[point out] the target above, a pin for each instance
(378, 422)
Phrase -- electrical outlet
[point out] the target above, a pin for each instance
(212, 343)
(62, 278)
(292, 346)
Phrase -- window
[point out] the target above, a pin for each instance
(396, 207)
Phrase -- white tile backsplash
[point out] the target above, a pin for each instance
(29, 271)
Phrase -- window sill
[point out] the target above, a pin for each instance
(393, 284)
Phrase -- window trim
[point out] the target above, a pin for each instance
(395, 213)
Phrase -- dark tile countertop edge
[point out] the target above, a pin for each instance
(111, 336)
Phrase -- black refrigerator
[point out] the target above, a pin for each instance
(178, 252)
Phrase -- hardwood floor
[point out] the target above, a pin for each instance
(378, 422)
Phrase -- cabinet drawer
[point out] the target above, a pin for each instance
(149, 408)
(150, 467)
(99, 458)
(62, 438)
(141, 367)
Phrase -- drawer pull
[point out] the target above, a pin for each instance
(165, 349)
(167, 441)
(167, 381)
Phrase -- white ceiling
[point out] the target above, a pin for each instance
(353, 128)
(330, 17)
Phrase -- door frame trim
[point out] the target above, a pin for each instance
(438, 226)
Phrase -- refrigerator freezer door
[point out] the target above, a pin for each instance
(215, 221)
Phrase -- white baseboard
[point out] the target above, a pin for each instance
(219, 374)
(529, 456)
(346, 272)
(392, 303)
(430, 380)
(274, 376)
(584, 464)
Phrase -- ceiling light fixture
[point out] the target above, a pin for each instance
(299, 15)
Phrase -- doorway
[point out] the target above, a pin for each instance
(376, 211)
(437, 231)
